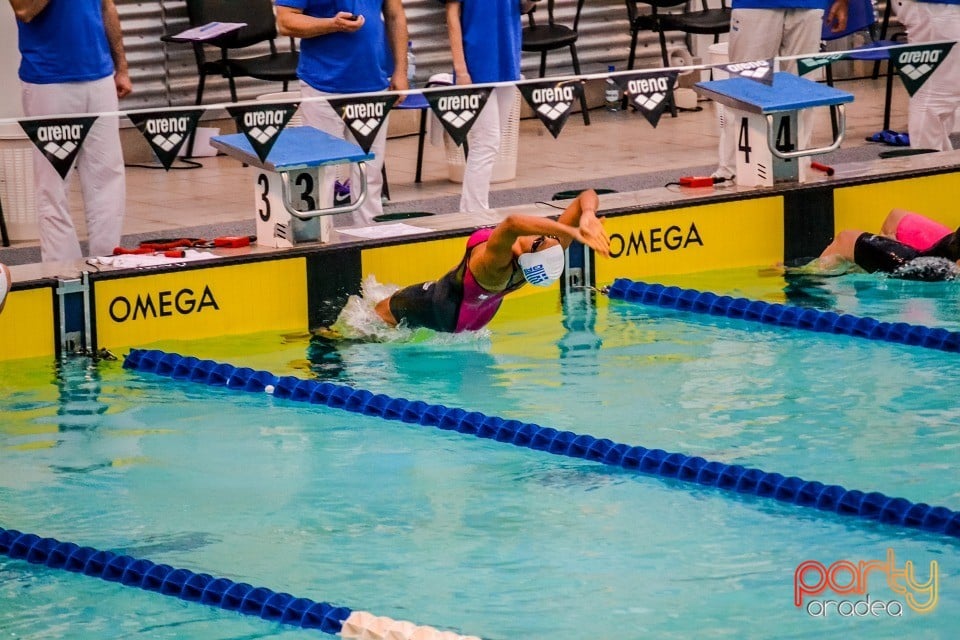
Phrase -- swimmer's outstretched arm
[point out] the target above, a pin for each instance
(577, 222)
(582, 213)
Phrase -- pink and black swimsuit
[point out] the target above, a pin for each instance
(456, 302)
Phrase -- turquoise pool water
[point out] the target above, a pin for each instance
(481, 537)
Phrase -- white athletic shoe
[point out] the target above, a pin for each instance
(723, 172)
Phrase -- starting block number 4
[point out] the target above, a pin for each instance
(756, 163)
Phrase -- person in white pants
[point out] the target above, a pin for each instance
(765, 29)
(483, 143)
(5, 283)
(72, 61)
(485, 38)
(933, 107)
(321, 115)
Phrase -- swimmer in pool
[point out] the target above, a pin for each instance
(873, 252)
(497, 261)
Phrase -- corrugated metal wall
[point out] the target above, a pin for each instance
(165, 74)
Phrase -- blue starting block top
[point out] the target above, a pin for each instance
(788, 93)
(295, 148)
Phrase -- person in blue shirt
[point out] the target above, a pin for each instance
(72, 61)
(485, 38)
(357, 51)
(765, 29)
(933, 107)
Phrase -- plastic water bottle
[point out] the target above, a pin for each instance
(611, 94)
(411, 62)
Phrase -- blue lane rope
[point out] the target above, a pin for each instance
(793, 490)
(179, 583)
(784, 315)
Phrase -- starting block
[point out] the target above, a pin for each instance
(293, 188)
(768, 124)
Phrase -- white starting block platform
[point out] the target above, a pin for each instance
(293, 188)
(768, 126)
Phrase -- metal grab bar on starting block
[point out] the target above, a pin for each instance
(801, 153)
(302, 159)
(327, 211)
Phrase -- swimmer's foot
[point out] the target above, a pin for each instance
(294, 336)
(771, 272)
(327, 333)
(823, 266)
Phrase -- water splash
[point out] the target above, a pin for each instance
(359, 321)
(929, 269)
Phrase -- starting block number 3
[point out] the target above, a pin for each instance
(275, 226)
(307, 201)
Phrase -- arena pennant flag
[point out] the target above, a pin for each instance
(166, 132)
(59, 139)
(648, 92)
(759, 70)
(458, 109)
(552, 101)
(917, 63)
(262, 124)
(364, 116)
(806, 65)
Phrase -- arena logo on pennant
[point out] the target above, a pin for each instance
(648, 92)
(458, 109)
(59, 140)
(916, 63)
(552, 102)
(806, 65)
(364, 116)
(166, 133)
(261, 124)
(759, 70)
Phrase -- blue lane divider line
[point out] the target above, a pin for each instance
(782, 315)
(833, 498)
(179, 583)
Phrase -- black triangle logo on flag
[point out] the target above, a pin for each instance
(262, 124)
(917, 63)
(364, 116)
(552, 101)
(458, 109)
(59, 139)
(648, 92)
(806, 65)
(166, 132)
(759, 70)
